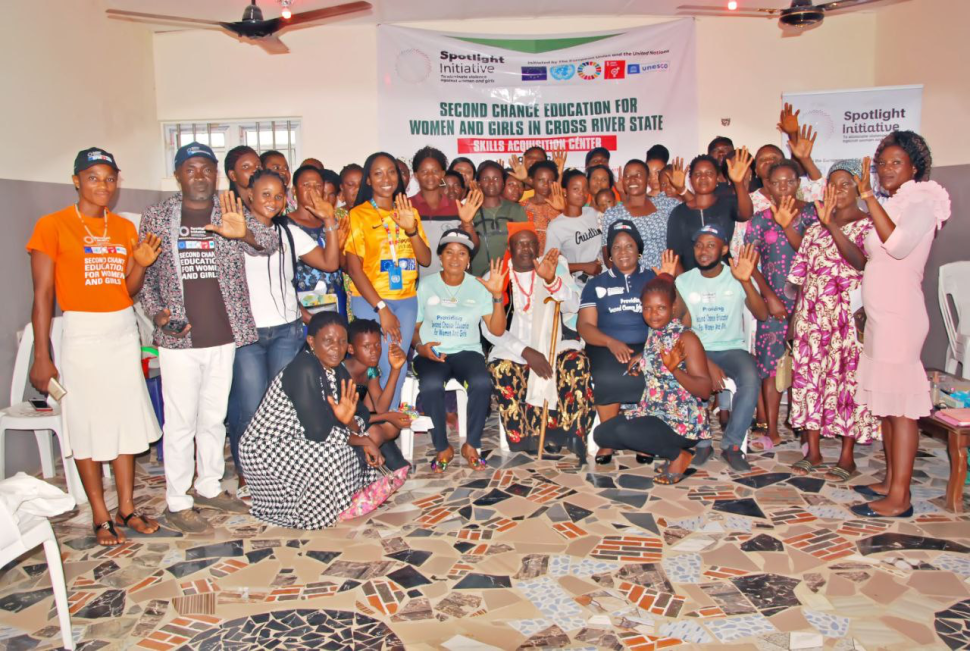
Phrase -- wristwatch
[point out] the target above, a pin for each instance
(380, 305)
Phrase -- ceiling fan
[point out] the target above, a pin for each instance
(252, 27)
(801, 13)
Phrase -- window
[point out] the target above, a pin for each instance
(281, 134)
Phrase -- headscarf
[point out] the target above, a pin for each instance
(851, 165)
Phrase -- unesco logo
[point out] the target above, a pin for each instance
(590, 70)
(562, 73)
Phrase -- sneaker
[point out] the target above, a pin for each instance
(735, 459)
(188, 521)
(701, 455)
(242, 493)
(222, 502)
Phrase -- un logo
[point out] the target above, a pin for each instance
(562, 73)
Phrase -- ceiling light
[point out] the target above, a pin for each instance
(732, 5)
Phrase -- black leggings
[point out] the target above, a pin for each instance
(644, 434)
(468, 367)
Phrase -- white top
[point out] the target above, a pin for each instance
(577, 238)
(272, 298)
(518, 336)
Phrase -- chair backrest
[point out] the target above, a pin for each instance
(954, 289)
(21, 367)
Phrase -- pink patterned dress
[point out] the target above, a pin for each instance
(826, 351)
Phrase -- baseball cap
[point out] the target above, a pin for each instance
(623, 226)
(192, 150)
(93, 156)
(710, 229)
(457, 236)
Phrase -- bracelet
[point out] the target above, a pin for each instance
(498, 300)
(331, 229)
(555, 286)
(682, 192)
(411, 234)
(867, 195)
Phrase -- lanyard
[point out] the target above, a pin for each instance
(391, 243)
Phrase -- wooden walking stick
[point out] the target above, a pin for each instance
(552, 363)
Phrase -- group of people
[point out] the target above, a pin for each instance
(286, 309)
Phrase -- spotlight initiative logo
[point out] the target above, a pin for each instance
(413, 66)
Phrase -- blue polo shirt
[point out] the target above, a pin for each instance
(616, 298)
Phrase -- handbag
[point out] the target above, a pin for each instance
(373, 495)
(783, 370)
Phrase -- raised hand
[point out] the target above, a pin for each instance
(864, 183)
(146, 252)
(827, 209)
(678, 176)
(496, 279)
(801, 146)
(233, 226)
(427, 350)
(343, 232)
(347, 407)
(396, 357)
(518, 168)
(320, 208)
(620, 183)
(468, 209)
(784, 212)
(746, 263)
(546, 269)
(559, 158)
(668, 263)
(738, 166)
(404, 214)
(673, 357)
(557, 198)
(788, 122)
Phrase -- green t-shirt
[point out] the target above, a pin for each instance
(492, 227)
(716, 306)
(450, 315)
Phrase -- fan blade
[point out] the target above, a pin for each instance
(842, 5)
(327, 12)
(272, 45)
(159, 18)
(722, 11)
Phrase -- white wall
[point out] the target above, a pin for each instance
(73, 79)
(925, 42)
(329, 78)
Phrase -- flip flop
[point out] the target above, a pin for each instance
(865, 511)
(109, 526)
(766, 443)
(841, 475)
(127, 518)
(667, 478)
(806, 465)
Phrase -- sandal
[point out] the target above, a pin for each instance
(667, 478)
(134, 514)
(108, 526)
(805, 466)
(439, 465)
(841, 475)
(765, 441)
(475, 462)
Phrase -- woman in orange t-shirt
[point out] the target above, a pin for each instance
(91, 260)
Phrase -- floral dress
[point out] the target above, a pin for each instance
(777, 257)
(663, 396)
(826, 350)
(540, 214)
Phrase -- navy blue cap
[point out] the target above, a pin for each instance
(192, 150)
(93, 156)
(623, 226)
(710, 229)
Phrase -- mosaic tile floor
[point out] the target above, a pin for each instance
(530, 555)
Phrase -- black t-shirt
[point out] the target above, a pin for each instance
(684, 222)
(204, 305)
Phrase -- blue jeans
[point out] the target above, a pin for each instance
(254, 368)
(406, 311)
(738, 365)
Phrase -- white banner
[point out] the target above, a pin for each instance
(488, 96)
(850, 123)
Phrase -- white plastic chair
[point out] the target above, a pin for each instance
(409, 395)
(18, 538)
(954, 287)
(20, 415)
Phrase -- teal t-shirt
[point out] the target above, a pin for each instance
(450, 315)
(716, 307)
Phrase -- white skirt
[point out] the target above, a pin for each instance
(106, 411)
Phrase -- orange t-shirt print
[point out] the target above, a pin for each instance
(89, 268)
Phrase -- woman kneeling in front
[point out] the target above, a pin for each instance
(307, 452)
(671, 417)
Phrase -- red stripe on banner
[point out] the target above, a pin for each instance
(519, 145)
